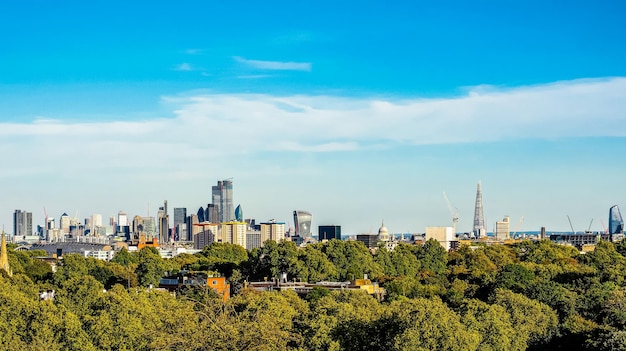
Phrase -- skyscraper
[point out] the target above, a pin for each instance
(22, 223)
(200, 214)
(64, 223)
(302, 222)
(616, 222)
(238, 214)
(222, 196)
(479, 217)
(164, 223)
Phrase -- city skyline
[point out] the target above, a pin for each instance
(355, 112)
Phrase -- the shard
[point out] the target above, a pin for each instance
(479, 217)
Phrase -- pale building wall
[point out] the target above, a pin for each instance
(443, 235)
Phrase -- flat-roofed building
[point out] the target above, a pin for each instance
(272, 230)
(234, 233)
(503, 229)
(253, 239)
(207, 234)
(369, 240)
(328, 232)
(443, 235)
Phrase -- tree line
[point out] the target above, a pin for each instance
(532, 295)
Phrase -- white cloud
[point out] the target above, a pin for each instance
(205, 127)
(275, 65)
(184, 67)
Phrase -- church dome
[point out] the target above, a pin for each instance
(383, 233)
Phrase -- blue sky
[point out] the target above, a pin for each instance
(357, 111)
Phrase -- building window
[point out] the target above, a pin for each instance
(214, 282)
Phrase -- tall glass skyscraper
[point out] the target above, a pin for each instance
(302, 222)
(616, 222)
(222, 195)
(22, 223)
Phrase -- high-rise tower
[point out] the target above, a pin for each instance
(302, 222)
(616, 222)
(22, 223)
(222, 196)
(479, 217)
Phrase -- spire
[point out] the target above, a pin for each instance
(4, 257)
(479, 218)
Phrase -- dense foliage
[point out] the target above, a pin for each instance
(530, 295)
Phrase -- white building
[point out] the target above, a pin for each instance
(443, 235)
(234, 233)
(272, 230)
(503, 229)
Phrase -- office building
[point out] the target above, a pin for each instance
(206, 233)
(180, 218)
(302, 222)
(64, 223)
(253, 239)
(192, 227)
(149, 226)
(137, 226)
(180, 214)
(369, 240)
(222, 196)
(164, 223)
(503, 229)
(22, 223)
(616, 222)
(479, 218)
(122, 219)
(329, 232)
(239, 214)
(272, 230)
(234, 233)
(444, 235)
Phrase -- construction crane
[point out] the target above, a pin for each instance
(570, 225)
(589, 229)
(454, 212)
(519, 225)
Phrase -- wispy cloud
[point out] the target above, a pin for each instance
(265, 123)
(194, 51)
(275, 65)
(255, 76)
(183, 67)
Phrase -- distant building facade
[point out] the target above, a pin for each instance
(328, 232)
(207, 234)
(302, 221)
(503, 229)
(234, 233)
(616, 222)
(369, 240)
(22, 223)
(253, 239)
(444, 235)
(222, 196)
(272, 230)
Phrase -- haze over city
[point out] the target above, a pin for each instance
(357, 112)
